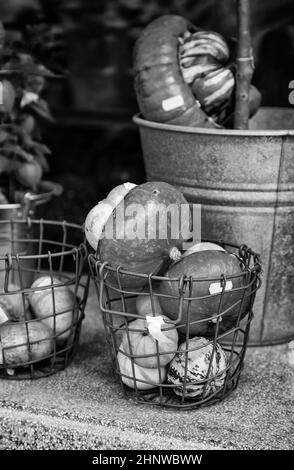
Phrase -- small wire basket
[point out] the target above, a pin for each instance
(43, 293)
(183, 370)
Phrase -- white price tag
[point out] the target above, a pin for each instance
(216, 288)
(172, 103)
(154, 325)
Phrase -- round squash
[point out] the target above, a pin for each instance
(15, 303)
(99, 214)
(140, 342)
(17, 347)
(203, 246)
(42, 304)
(204, 265)
(138, 240)
(198, 361)
(142, 378)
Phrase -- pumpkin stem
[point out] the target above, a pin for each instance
(175, 254)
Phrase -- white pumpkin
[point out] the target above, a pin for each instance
(117, 194)
(20, 343)
(143, 336)
(203, 246)
(197, 368)
(16, 304)
(96, 220)
(150, 377)
(99, 214)
(42, 305)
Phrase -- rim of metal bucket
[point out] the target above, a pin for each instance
(140, 121)
(48, 189)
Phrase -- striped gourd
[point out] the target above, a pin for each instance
(198, 361)
(204, 43)
(215, 89)
(203, 57)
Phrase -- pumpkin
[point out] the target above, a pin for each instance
(201, 266)
(189, 372)
(144, 337)
(18, 347)
(15, 303)
(99, 214)
(140, 242)
(140, 377)
(202, 246)
(161, 91)
(43, 301)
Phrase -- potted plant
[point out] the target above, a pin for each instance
(240, 170)
(23, 155)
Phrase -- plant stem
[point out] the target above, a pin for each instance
(244, 65)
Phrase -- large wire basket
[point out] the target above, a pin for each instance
(190, 371)
(43, 292)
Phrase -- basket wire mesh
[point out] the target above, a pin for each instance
(44, 276)
(118, 311)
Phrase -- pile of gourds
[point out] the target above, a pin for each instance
(186, 76)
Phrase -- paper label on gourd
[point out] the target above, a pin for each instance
(172, 103)
(216, 288)
(154, 327)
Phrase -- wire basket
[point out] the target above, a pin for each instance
(43, 293)
(184, 371)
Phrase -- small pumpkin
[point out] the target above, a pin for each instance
(143, 338)
(204, 269)
(189, 372)
(21, 343)
(203, 246)
(136, 243)
(15, 302)
(43, 301)
(135, 376)
(99, 214)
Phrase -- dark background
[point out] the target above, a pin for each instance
(95, 144)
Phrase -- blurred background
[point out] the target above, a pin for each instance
(94, 142)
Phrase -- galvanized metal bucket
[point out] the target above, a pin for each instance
(13, 236)
(244, 181)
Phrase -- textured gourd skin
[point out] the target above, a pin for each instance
(146, 255)
(197, 368)
(204, 264)
(14, 337)
(139, 343)
(158, 76)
